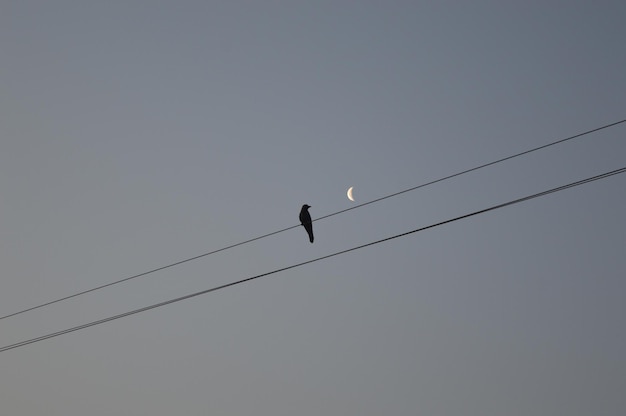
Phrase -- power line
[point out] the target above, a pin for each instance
(476, 168)
(318, 219)
(213, 289)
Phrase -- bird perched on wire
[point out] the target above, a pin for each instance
(305, 219)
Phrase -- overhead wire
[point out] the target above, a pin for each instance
(293, 266)
(177, 263)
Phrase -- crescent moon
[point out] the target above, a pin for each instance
(349, 193)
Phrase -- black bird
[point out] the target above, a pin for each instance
(305, 219)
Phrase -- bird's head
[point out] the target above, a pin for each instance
(305, 206)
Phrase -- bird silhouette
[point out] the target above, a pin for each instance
(305, 219)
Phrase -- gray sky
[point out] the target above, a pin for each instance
(134, 134)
